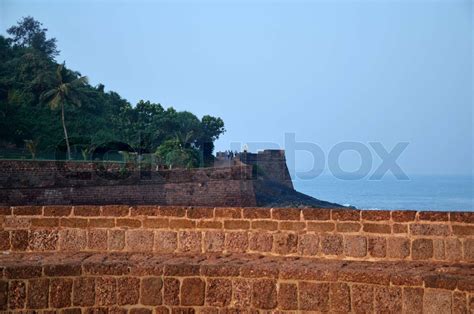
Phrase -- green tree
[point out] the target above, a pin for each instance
(174, 154)
(65, 92)
(29, 78)
(29, 33)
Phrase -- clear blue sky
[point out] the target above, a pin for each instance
(364, 71)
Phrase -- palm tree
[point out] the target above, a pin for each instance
(65, 92)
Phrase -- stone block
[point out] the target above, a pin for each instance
(116, 240)
(84, 291)
(228, 212)
(388, 299)
(214, 241)
(4, 240)
(57, 211)
(308, 244)
(182, 224)
(60, 294)
(200, 212)
(413, 300)
(403, 215)
(355, 246)
(261, 241)
(87, 210)
(209, 224)
(430, 229)
(151, 291)
(22, 272)
(377, 228)
(316, 214)
(464, 217)
(400, 228)
(192, 291)
(139, 240)
(422, 249)
(376, 215)
(345, 214)
(288, 296)
(340, 296)
(97, 239)
(348, 227)
(286, 213)
(264, 294)
(285, 243)
(166, 241)
(437, 301)
(156, 223)
(256, 212)
(459, 305)
(453, 249)
(171, 211)
(171, 291)
(242, 293)
(43, 240)
(236, 224)
(72, 240)
(128, 290)
(37, 293)
(115, 210)
(236, 242)
(19, 240)
(73, 222)
(101, 223)
(16, 294)
(106, 291)
(264, 225)
(433, 216)
(44, 222)
(398, 247)
(313, 296)
(190, 241)
(219, 292)
(27, 210)
(331, 244)
(362, 298)
(292, 225)
(320, 226)
(377, 247)
(127, 223)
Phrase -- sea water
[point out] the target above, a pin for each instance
(420, 192)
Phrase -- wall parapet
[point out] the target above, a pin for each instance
(141, 283)
(341, 234)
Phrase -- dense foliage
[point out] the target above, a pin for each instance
(30, 118)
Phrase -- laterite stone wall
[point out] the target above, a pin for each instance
(144, 283)
(61, 182)
(178, 259)
(337, 234)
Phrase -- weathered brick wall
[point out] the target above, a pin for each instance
(175, 259)
(140, 283)
(336, 234)
(59, 182)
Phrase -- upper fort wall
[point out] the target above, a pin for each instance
(62, 182)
